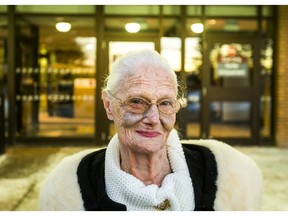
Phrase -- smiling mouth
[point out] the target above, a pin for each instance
(150, 134)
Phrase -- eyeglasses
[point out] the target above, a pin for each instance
(139, 105)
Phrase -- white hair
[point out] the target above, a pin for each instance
(133, 60)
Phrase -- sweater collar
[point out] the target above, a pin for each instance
(130, 191)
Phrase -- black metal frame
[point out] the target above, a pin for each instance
(2, 125)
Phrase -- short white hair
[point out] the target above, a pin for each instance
(132, 61)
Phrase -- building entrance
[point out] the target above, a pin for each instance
(230, 89)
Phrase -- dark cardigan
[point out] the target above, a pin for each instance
(202, 168)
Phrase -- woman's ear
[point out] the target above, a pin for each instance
(107, 105)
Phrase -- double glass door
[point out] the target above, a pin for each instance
(230, 89)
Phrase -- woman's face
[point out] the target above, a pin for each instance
(147, 132)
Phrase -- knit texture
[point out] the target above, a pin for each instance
(124, 188)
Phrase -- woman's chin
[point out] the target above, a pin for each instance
(148, 146)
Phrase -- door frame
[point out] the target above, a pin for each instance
(251, 93)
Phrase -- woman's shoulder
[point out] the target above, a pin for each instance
(239, 179)
(224, 153)
(60, 189)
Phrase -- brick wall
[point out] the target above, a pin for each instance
(282, 78)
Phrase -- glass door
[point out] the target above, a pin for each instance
(56, 78)
(230, 90)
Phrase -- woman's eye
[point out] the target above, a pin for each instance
(137, 101)
(166, 103)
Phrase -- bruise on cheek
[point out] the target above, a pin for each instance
(168, 122)
(130, 119)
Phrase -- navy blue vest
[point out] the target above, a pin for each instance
(202, 168)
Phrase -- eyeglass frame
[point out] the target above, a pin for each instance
(148, 102)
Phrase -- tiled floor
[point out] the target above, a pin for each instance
(22, 170)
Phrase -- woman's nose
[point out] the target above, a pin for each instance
(152, 115)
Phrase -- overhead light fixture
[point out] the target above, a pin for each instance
(197, 28)
(132, 27)
(63, 26)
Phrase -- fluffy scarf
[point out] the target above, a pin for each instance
(175, 194)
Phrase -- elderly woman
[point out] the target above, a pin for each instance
(145, 166)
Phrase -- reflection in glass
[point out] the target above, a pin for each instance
(193, 65)
(231, 25)
(193, 109)
(189, 23)
(118, 48)
(193, 55)
(56, 78)
(265, 98)
(232, 65)
(171, 50)
(230, 119)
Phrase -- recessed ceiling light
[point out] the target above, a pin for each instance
(132, 27)
(197, 27)
(63, 26)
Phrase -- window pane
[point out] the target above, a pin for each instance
(231, 65)
(268, 27)
(171, 27)
(230, 119)
(132, 9)
(193, 55)
(171, 50)
(193, 109)
(3, 8)
(118, 48)
(267, 11)
(231, 25)
(56, 77)
(171, 9)
(239, 10)
(64, 9)
(194, 10)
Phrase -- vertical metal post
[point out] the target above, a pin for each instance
(11, 75)
(182, 115)
(101, 122)
(2, 124)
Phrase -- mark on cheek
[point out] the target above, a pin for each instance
(130, 119)
(168, 122)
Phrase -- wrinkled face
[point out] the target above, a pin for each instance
(147, 132)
